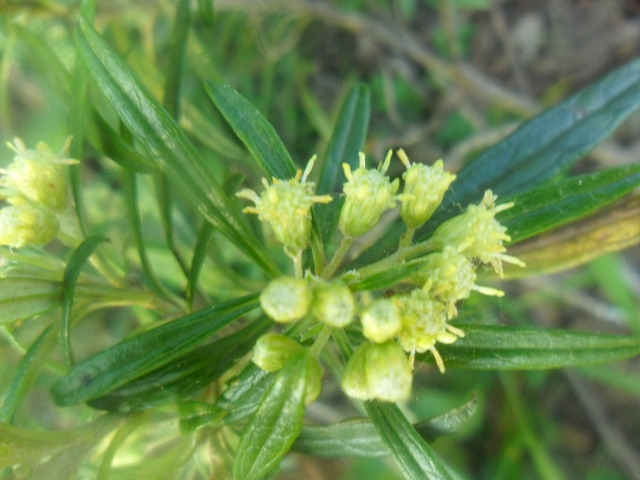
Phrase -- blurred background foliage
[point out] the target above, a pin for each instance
(448, 78)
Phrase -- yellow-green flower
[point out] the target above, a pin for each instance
(369, 194)
(424, 188)
(286, 299)
(381, 320)
(333, 304)
(22, 225)
(477, 234)
(272, 351)
(286, 205)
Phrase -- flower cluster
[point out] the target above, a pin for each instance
(36, 189)
(395, 328)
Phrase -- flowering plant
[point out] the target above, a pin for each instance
(342, 274)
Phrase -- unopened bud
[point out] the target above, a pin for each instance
(381, 321)
(22, 225)
(314, 379)
(272, 351)
(333, 304)
(286, 299)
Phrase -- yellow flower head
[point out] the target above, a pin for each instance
(424, 188)
(37, 176)
(424, 322)
(22, 225)
(286, 205)
(477, 234)
(369, 194)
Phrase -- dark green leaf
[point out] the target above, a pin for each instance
(159, 134)
(185, 375)
(71, 274)
(194, 415)
(386, 278)
(520, 348)
(199, 256)
(243, 397)
(276, 423)
(358, 437)
(144, 353)
(547, 207)
(347, 140)
(414, 457)
(253, 129)
(22, 298)
(176, 58)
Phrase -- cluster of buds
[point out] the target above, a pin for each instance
(394, 328)
(36, 189)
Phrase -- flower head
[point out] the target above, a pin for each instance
(37, 176)
(379, 371)
(272, 351)
(369, 194)
(381, 320)
(424, 322)
(424, 188)
(286, 205)
(333, 304)
(477, 234)
(450, 276)
(286, 299)
(22, 225)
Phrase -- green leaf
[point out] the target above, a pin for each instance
(159, 134)
(185, 375)
(142, 354)
(535, 152)
(176, 58)
(520, 348)
(253, 129)
(194, 415)
(385, 278)
(412, 454)
(347, 140)
(199, 256)
(71, 273)
(21, 298)
(244, 395)
(22, 445)
(276, 423)
(543, 208)
(358, 437)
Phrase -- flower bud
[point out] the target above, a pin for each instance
(286, 299)
(286, 205)
(272, 351)
(424, 188)
(381, 321)
(333, 304)
(369, 194)
(314, 379)
(37, 176)
(477, 234)
(22, 225)
(380, 371)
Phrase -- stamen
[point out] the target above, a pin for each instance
(438, 358)
(307, 170)
(455, 331)
(362, 162)
(387, 161)
(513, 260)
(404, 159)
(493, 292)
(347, 171)
(502, 207)
(298, 175)
(265, 182)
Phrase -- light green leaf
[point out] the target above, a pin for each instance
(358, 437)
(276, 423)
(154, 128)
(253, 129)
(142, 354)
(520, 348)
(412, 454)
(22, 298)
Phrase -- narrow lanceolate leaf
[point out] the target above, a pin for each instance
(253, 129)
(22, 298)
(519, 348)
(414, 457)
(347, 140)
(385, 278)
(550, 206)
(170, 149)
(536, 151)
(609, 230)
(71, 274)
(142, 354)
(358, 437)
(243, 396)
(199, 256)
(276, 423)
(185, 375)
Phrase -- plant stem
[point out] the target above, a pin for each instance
(297, 264)
(406, 238)
(337, 257)
(320, 342)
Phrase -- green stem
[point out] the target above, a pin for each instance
(337, 257)
(320, 342)
(406, 238)
(297, 264)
